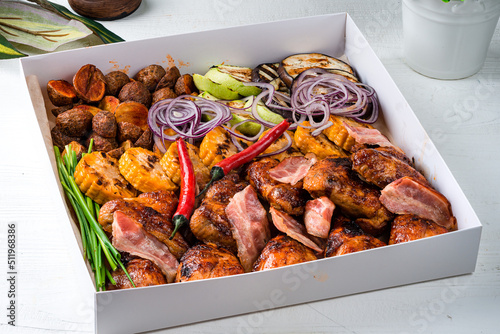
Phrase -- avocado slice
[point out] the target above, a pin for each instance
(207, 95)
(219, 91)
(265, 112)
(248, 128)
(228, 81)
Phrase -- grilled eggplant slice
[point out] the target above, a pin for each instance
(293, 65)
(269, 73)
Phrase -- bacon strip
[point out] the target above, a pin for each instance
(286, 224)
(318, 216)
(369, 136)
(249, 225)
(407, 196)
(129, 236)
(293, 169)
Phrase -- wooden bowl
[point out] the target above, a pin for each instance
(105, 10)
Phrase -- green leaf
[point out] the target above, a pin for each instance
(105, 35)
(31, 25)
(7, 51)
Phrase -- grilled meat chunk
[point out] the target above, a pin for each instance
(282, 196)
(334, 178)
(162, 201)
(249, 225)
(410, 227)
(293, 169)
(143, 272)
(407, 195)
(380, 168)
(368, 136)
(155, 223)
(318, 216)
(347, 238)
(292, 228)
(209, 222)
(207, 261)
(165, 202)
(283, 251)
(129, 236)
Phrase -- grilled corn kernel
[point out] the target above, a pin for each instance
(98, 177)
(170, 163)
(216, 146)
(319, 145)
(143, 170)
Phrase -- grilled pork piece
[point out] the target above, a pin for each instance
(155, 223)
(164, 202)
(286, 224)
(379, 168)
(293, 169)
(407, 195)
(209, 222)
(410, 227)
(249, 225)
(207, 261)
(347, 238)
(283, 251)
(334, 178)
(369, 136)
(318, 216)
(129, 236)
(282, 196)
(143, 272)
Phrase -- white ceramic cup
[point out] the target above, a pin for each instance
(448, 40)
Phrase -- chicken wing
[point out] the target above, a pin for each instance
(282, 196)
(347, 238)
(334, 178)
(143, 272)
(379, 168)
(154, 222)
(283, 251)
(411, 227)
(209, 222)
(207, 261)
(162, 201)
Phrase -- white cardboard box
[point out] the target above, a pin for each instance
(142, 309)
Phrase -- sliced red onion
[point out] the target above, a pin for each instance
(183, 115)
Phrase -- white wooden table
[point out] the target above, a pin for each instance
(462, 118)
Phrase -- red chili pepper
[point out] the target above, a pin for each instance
(223, 167)
(188, 187)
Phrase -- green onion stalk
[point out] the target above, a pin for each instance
(95, 242)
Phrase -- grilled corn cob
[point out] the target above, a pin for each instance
(280, 143)
(338, 134)
(319, 145)
(143, 170)
(216, 146)
(159, 146)
(170, 163)
(98, 177)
